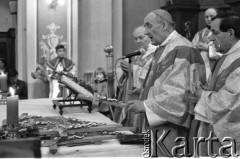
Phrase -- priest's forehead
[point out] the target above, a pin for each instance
(211, 12)
(139, 30)
(216, 25)
(150, 19)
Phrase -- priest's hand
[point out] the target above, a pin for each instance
(197, 89)
(136, 106)
(199, 92)
(135, 91)
(124, 66)
(202, 46)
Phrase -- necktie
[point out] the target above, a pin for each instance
(205, 36)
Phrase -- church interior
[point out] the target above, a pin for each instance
(94, 33)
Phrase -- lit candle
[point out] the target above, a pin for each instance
(3, 82)
(12, 108)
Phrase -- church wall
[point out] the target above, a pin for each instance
(134, 12)
(5, 18)
(21, 37)
(95, 32)
(36, 88)
(52, 29)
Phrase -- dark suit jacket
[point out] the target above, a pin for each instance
(21, 89)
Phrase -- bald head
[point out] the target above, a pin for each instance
(139, 29)
(141, 40)
(209, 14)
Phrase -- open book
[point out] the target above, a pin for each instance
(68, 82)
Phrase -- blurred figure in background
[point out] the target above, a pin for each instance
(57, 65)
(201, 41)
(19, 86)
(100, 88)
(142, 62)
(3, 66)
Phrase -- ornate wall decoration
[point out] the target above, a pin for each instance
(47, 45)
(53, 4)
(50, 41)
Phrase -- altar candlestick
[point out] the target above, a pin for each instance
(3, 82)
(12, 109)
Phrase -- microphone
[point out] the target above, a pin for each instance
(135, 53)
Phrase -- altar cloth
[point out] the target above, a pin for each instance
(106, 148)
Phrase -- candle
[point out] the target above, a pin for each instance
(3, 82)
(12, 110)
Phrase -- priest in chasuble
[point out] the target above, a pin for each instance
(176, 64)
(218, 108)
(57, 65)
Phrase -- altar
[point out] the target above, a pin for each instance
(104, 148)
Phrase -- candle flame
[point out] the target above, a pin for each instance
(12, 91)
(2, 73)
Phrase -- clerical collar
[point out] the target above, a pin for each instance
(60, 58)
(170, 36)
(235, 48)
(151, 49)
(150, 46)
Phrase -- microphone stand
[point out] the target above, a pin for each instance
(130, 77)
(127, 97)
(129, 81)
(128, 85)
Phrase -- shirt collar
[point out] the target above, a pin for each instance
(170, 36)
(151, 49)
(151, 46)
(236, 47)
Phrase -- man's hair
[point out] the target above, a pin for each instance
(229, 20)
(12, 73)
(3, 61)
(217, 11)
(140, 26)
(100, 70)
(59, 47)
(163, 15)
